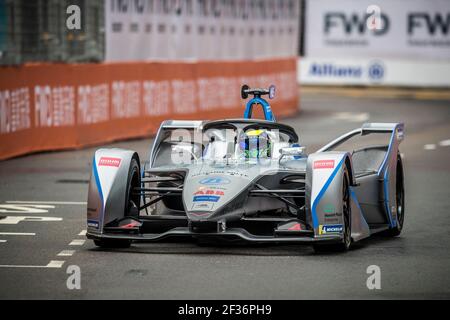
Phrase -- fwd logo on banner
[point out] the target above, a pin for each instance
(433, 24)
(348, 24)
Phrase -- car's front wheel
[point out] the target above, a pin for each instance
(346, 214)
(132, 203)
(400, 201)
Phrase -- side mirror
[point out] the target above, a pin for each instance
(292, 151)
(272, 92)
(244, 93)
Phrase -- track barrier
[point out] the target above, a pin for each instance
(62, 106)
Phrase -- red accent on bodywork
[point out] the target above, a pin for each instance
(324, 164)
(130, 225)
(109, 162)
(210, 192)
(295, 227)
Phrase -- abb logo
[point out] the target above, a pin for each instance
(109, 162)
(209, 192)
(324, 164)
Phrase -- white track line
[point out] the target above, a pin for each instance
(25, 208)
(444, 143)
(49, 202)
(55, 264)
(52, 265)
(77, 242)
(2, 241)
(17, 234)
(430, 146)
(82, 233)
(16, 220)
(66, 253)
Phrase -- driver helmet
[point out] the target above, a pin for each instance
(255, 144)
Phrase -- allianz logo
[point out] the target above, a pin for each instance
(329, 69)
(374, 71)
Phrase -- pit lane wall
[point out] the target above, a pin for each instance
(59, 106)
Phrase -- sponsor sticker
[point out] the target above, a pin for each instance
(93, 224)
(202, 206)
(214, 181)
(324, 164)
(109, 162)
(209, 192)
(330, 228)
(329, 208)
(206, 198)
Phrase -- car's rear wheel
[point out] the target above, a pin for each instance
(400, 200)
(132, 203)
(346, 214)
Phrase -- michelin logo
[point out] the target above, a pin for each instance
(331, 228)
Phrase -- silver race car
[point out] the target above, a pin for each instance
(249, 180)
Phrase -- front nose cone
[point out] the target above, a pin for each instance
(205, 197)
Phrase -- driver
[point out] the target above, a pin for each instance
(255, 144)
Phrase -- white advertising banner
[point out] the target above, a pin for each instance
(200, 29)
(368, 71)
(405, 29)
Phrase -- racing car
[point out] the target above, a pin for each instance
(249, 180)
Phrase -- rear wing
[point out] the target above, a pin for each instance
(397, 130)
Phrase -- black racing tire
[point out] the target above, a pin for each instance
(400, 200)
(346, 213)
(112, 243)
(133, 200)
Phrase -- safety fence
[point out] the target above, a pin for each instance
(60, 106)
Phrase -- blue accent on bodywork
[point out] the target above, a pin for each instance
(353, 195)
(268, 114)
(297, 145)
(388, 152)
(206, 198)
(392, 221)
(322, 192)
(355, 200)
(99, 188)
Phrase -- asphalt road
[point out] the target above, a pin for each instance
(42, 200)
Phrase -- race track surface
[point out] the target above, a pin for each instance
(42, 218)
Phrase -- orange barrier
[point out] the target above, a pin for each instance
(59, 106)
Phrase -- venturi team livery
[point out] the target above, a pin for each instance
(249, 180)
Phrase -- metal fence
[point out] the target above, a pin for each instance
(35, 30)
